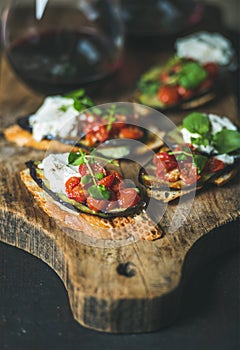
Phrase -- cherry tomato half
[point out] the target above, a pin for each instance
(211, 68)
(185, 93)
(168, 94)
(131, 132)
(189, 173)
(96, 168)
(74, 190)
(213, 165)
(107, 181)
(97, 204)
(128, 197)
(163, 159)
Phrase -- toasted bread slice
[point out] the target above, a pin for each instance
(137, 226)
(168, 195)
(24, 138)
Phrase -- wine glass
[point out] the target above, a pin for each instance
(56, 46)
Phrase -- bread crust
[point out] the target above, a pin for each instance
(24, 138)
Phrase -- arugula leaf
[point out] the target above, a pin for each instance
(191, 75)
(196, 122)
(227, 141)
(148, 87)
(199, 161)
(99, 192)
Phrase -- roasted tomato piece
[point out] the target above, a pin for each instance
(71, 183)
(213, 165)
(116, 174)
(211, 68)
(189, 173)
(112, 205)
(128, 197)
(96, 132)
(91, 139)
(97, 204)
(165, 160)
(96, 168)
(168, 94)
(206, 84)
(107, 181)
(131, 132)
(102, 133)
(185, 93)
(164, 76)
(74, 190)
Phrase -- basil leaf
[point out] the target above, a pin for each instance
(77, 104)
(80, 101)
(148, 87)
(191, 75)
(227, 141)
(75, 158)
(199, 161)
(197, 122)
(75, 94)
(99, 192)
(99, 176)
(180, 157)
(86, 179)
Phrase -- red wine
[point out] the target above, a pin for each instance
(59, 61)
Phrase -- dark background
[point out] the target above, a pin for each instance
(35, 313)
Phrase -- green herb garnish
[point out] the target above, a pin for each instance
(110, 117)
(86, 179)
(80, 100)
(149, 87)
(227, 141)
(99, 192)
(199, 161)
(191, 75)
(197, 123)
(96, 191)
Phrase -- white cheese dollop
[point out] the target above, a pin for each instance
(57, 171)
(50, 119)
(218, 123)
(205, 47)
(225, 158)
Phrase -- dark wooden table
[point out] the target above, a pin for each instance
(34, 308)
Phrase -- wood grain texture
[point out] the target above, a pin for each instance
(131, 288)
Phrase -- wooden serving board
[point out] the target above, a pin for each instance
(130, 288)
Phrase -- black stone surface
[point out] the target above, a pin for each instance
(35, 312)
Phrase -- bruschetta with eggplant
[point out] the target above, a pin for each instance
(204, 149)
(89, 194)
